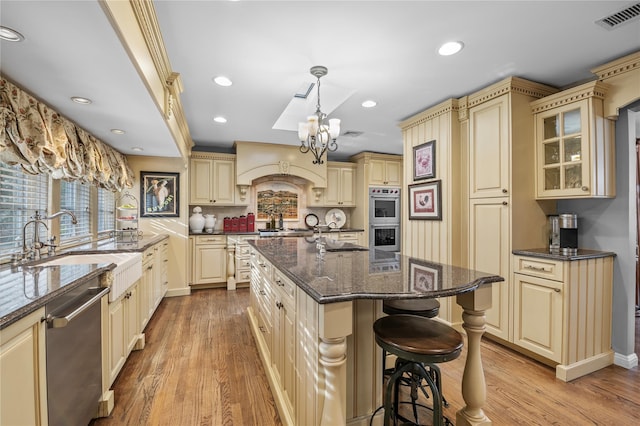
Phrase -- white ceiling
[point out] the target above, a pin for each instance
(384, 50)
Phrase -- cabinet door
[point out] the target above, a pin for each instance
(211, 264)
(117, 339)
(224, 179)
(538, 315)
(490, 252)
(393, 172)
(489, 149)
(201, 174)
(562, 152)
(340, 184)
(23, 378)
(145, 287)
(132, 322)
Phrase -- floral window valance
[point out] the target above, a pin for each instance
(42, 141)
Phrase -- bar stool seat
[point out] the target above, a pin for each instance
(427, 308)
(418, 342)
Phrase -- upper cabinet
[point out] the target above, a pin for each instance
(385, 172)
(575, 155)
(340, 191)
(213, 179)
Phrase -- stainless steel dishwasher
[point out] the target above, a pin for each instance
(74, 355)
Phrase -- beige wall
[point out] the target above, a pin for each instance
(176, 227)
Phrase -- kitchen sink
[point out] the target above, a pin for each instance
(127, 271)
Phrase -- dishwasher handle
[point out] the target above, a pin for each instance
(59, 322)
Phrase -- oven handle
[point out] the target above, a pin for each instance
(59, 322)
(384, 226)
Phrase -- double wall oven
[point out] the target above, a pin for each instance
(384, 218)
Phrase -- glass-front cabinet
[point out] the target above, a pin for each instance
(574, 144)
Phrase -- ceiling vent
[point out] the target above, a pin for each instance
(626, 15)
(352, 133)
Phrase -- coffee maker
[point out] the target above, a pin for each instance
(568, 225)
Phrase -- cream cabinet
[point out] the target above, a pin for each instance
(340, 191)
(503, 211)
(284, 343)
(23, 382)
(124, 329)
(262, 302)
(212, 180)
(385, 172)
(241, 257)
(489, 233)
(347, 237)
(489, 148)
(210, 259)
(563, 310)
(575, 155)
(146, 286)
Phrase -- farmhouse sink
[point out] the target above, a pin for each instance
(128, 268)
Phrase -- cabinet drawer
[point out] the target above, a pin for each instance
(538, 267)
(243, 264)
(347, 236)
(242, 250)
(212, 239)
(285, 286)
(243, 276)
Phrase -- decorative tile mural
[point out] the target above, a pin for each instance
(278, 198)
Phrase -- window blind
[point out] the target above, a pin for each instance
(106, 212)
(21, 194)
(76, 198)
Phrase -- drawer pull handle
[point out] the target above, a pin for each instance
(279, 282)
(279, 305)
(537, 268)
(262, 329)
(263, 293)
(557, 290)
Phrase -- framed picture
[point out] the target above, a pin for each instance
(159, 194)
(424, 161)
(425, 201)
(424, 276)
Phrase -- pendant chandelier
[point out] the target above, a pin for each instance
(318, 134)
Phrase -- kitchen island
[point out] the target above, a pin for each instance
(312, 313)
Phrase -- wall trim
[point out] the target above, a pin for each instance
(625, 361)
(175, 292)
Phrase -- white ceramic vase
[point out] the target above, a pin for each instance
(196, 221)
(209, 222)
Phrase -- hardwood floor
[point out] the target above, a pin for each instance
(200, 367)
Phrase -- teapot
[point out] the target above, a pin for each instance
(209, 222)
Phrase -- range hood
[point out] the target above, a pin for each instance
(255, 160)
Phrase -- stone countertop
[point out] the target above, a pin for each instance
(348, 275)
(544, 253)
(28, 287)
(256, 233)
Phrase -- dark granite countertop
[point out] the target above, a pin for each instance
(348, 275)
(546, 254)
(27, 288)
(332, 230)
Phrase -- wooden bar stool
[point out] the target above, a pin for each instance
(417, 342)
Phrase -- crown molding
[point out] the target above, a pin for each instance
(619, 66)
(593, 89)
(446, 107)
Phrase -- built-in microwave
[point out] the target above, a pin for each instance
(384, 205)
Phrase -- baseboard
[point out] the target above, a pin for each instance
(626, 361)
(174, 292)
(581, 368)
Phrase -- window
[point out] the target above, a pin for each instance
(21, 194)
(76, 198)
(106, 213)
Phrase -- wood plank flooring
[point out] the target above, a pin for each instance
(200, 367)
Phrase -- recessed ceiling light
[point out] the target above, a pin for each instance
(137, 149)
(450, 48)
(223, 81)
(118, 131)
(9, 34)
(220, 119)
(369, 104)
(81, 100)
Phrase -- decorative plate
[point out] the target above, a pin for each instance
(336, 216)
(311, 220)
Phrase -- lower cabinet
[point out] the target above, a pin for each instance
(562, 312)
(210, 259)
(124, 329)
(348, 237)
(23, 382)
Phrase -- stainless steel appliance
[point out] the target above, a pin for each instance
(554, 233)
(384, 218)
(384, 205)
(568, 233)
(74, 354)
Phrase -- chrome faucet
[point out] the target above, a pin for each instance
(36, 244)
